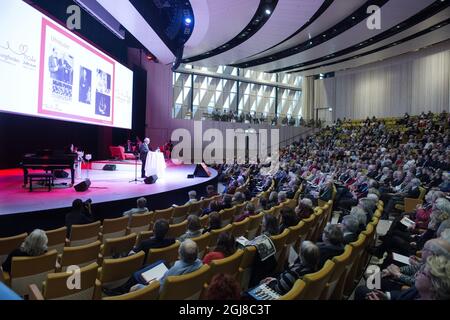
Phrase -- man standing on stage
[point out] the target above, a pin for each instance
(143, 151)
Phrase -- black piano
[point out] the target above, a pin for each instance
(49, 160)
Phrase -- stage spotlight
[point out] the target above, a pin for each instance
(268, 11)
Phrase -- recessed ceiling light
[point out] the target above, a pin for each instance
(268, 11)
(353, 18)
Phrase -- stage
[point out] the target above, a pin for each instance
(111, 193)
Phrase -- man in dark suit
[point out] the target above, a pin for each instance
(332, 243)
(158, 240)
(143, 151)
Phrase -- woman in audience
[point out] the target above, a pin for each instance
(214, 222)
(270, 225)
(226, 246)
(249, 211)
(194, 228)
(332, 243)
(223, 287)
(34, 245)
(304, 209)
(307, 263)
(288, 218)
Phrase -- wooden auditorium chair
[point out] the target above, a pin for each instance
(315, 282)
(185, 287)
(118, 247)
(297, 291)
(165, 214)
(196, 208)
(56, 288)
(254, 225)
(83, 234)
(180, 213)
(245, 268)
(227, 215)
(79, 256)
(202, 243)
(28, 270)
(346, 260)
(168, 254)
(229, 265)
(9, 244)
(116, 272)
(215, 235)
(140, 222)
(279, 241)
(176, 230)
(340, 263)
(149, 292)
(114, 228)
(352, 280)
(240, 228)
(56, 239)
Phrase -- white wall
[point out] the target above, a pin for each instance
(414, 82)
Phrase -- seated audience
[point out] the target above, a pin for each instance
(194, 228)
(192, 197)
(307, 262)
(81, 213)
(158, 240)
(35, 244)
(223, 287)
(332, 243)
(270, 225)
(225, 246)
(141, 208)
(304, 209)
(350, 228)
(288, 218)
(249, 211)
(214, 222)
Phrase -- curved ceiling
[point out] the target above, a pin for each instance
(304, 36)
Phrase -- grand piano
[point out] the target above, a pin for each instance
(49, 160)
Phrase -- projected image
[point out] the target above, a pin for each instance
(103, 82)
(85, 85)
(102, 104)
(60, 66)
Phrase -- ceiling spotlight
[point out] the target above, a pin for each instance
(268, 11)
(330, 109)
(188, 20)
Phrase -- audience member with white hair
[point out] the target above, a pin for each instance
(35, 244)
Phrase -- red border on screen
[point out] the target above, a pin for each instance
(46, 23)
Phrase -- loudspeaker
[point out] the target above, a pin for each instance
(152, 179)
(83, 186)
(109, 167)
(201, 170)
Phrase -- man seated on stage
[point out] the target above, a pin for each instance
(144, 148)
(141, 208)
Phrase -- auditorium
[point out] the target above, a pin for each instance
(241, 151)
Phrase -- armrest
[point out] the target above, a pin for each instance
(35, 293)
(5, 277)
(97, 290)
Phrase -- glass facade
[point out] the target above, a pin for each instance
(199, 96)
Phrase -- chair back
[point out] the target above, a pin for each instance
(140, 222)
(176, 230)
(227, 215)
(84, 233)
(114, 228)
(165, 214)
(115, 272)
(279, 242)
(180, 213)
(316, 282)
(215, 235)
(346, 260)
(149, 292)
(9, 244)
(340, 262)
(297, 291)
(240, 209)
(196, 207)
(56, 239)
(56, 288)
(80, 256)
(204, 221)
(254, 225)
(358, 247)
(29, 270)
(168, 254)
(202, 243)
(187, 286)
(229, 265)
(116, 247)
(240, 228)
(245, 268)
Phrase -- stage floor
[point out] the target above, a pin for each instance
(105, 186)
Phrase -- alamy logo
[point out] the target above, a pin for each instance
(374, 20)
(374, 278)
(240, 146)
(74, 280)
(74, 20)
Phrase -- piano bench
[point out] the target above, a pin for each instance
(48, 178)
